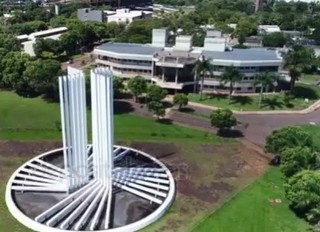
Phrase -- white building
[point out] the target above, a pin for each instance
(262, 29)
(171, 67)
(27, 41)
(126, 15)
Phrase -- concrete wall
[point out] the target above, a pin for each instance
(87, 14)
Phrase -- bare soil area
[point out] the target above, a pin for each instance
(206, 175)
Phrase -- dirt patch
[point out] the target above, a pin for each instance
(158, 150)
(27, 148)
(209, 194)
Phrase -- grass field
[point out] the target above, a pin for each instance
(310, 78)
(34, 119)
(252, 211)
(270, 102)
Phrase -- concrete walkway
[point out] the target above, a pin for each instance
(255, 127)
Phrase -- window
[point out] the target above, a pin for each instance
(238, 88)
(249, 88)
(245, 78)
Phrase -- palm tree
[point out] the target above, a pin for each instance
(202, 66)
(231, 75)
(265, 80)
(297, 59)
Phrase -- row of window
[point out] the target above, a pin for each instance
(218, 68)
(131, 70)
(226, 88)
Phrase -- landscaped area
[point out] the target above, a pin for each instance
(255, 210)
(222, 166)
(269, 102)
(310, 78)
(209, 170)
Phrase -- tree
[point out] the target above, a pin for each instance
(9, 42)
(202, 66)
(157, 108)
(180, 99)
(137, 86)
(303, 191)
(58, 21)
(69, 42)
(231, 75)
(264, 80)
(246, 26)
(275, 39)
(47, 45)
(241, 39)
(43, 77)
(14, 64)
(294, 160)
(117, 86)
(287, 137)
(296, 60)
(223, 119)
(156, 93)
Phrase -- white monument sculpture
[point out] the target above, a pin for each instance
(81, 191)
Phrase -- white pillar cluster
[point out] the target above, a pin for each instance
(102, 124)
(74, 129)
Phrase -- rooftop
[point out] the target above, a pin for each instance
(54, 30)
(130, 48)
(243, 54)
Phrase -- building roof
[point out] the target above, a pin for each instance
(54, 30)
(129, 48)
(243, 55)
(21, 37)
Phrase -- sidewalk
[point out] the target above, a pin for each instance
(308, 110)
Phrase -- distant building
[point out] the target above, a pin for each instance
(27, 41)
(88, 14)
(262, 29)
(171, 67)
(121, 3)
(118, 16)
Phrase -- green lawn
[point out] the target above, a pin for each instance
(270, 102)
(251, 210)
(314, 131)
(310, 78)
(23, 118)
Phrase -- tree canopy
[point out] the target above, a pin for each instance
(287, 137)
(294, 160)
(223, 119)
(303, 191)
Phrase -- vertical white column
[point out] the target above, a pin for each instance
(73, 117)
(64, 128)
(102, 129)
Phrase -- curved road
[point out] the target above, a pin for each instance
(258, 125)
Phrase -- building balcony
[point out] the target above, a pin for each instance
(124, 65)
(169, 64)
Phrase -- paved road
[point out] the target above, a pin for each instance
(77, 63)
(259, 126)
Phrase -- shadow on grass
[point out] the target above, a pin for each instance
(242, 100)
(165, 121)
(186, 110)
(233, 133)
(121, 107)
(305, 92)
(217, 96)
(167, 104)
(272, 103)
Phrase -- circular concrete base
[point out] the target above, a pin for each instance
(137, 200)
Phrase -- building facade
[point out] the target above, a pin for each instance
(28, 41)
(119, 16)
(172, 67)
